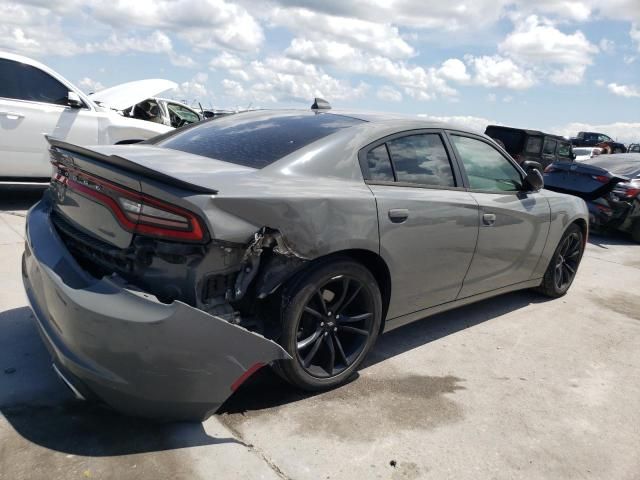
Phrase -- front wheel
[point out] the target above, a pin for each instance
(329, 324)
(564, 264)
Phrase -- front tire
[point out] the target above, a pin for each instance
(329, 324)
(564, 264)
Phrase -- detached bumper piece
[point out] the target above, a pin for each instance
(140, 356)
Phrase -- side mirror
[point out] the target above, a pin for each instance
(74, 101)
(533, 181)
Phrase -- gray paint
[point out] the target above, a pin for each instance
(137, 354)
(127, 345)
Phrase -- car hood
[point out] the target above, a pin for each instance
(128, 94)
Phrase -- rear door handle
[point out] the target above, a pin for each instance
(488, 219)
(398, 215)
(12, 115)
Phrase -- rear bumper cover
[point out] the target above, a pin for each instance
(136, 354)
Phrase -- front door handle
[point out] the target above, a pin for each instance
(398, 215)
(488, 219)
(12, 115)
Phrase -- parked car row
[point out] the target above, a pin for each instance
(35, 100)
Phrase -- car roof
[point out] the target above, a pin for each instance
(529, 132)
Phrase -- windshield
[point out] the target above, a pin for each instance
(255, 139)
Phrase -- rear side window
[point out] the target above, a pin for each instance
(534, 145)
(549, 146)
(379, 164)
(255, 141)
(24, 82)
(421, 159)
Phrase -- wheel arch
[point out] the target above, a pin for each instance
(372, 261)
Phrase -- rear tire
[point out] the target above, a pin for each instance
(564, 264)
(330, 323)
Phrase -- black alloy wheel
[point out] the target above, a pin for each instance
(330, 324)
(564, 264)
(334, 326)
(567, 261)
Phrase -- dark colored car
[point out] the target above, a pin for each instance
(609, 184)
(531, 145)
(600, 140)
(163, 274)
(634, 148)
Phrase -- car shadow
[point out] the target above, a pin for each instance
(19, 196)
(40, 409)
(607, 239)
(266, 389)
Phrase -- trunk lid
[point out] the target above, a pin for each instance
(580, 179)
(111, 198)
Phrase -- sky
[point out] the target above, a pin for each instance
(556, 65)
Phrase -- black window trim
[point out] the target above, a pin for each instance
(461, 166)
(364, 166)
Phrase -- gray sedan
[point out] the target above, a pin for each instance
(163, 274)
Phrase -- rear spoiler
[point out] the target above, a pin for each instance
(128, 166)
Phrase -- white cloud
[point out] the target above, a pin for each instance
(378, 38)
(454, 69)
(497, 71)
(538, 43)
(635, 34)
(194, 89)
(389, 94)
(470, 122)
(226, 61)
(205, 24)
(156, 42)
(624, 90)
(607, 46)
(89, 85)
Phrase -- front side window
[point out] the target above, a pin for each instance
(181, 115)
(24, 82)
(486, 168)
(604, 138)
(379, 164)
(564, 149)
(421, 159)
(549, 146)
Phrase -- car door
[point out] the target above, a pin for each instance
(428, 223)
(32, 104)
(513, 223)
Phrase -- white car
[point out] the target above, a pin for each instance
(36, 101)
(585, 153)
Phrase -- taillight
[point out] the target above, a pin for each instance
(135, 212)
(601, 178)
(631, 192)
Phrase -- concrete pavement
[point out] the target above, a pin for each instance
(513, 387)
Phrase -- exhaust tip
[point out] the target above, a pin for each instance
(73, 389)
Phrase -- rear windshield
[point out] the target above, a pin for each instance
(255, 140)
(513, 140)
